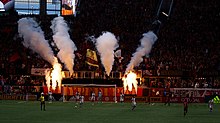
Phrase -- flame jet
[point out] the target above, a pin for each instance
(147, 42)
(130, 82)
(34, 39)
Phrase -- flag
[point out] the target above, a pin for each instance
(14, 57)
(118, 55)
(91, 58)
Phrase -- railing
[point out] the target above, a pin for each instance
(85, 74)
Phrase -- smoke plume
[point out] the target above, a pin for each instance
(144, 49)
(64, 43)
(106, 44)
(34, 39)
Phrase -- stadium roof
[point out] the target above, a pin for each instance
(2, 6)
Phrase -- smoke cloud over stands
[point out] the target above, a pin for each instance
(106, 44)
(63, 42)
(147, 42)
(34, 39)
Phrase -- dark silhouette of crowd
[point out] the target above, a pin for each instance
(188, 40)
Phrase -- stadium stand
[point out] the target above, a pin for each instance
(188, 44)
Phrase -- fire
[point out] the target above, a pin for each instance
(130, 81)
(47, 77)
(54, 77)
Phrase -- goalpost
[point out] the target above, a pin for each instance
(89, 87)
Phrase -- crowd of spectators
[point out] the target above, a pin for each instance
(187, 41)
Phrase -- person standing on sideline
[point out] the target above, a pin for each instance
(77, 96)
(185, 107)
(42, 102)
(211, 103)
(121, 97)
(133, 103)
(167, 96)
(93, 97)
(50, 97)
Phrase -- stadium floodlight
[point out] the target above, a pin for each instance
(165, 14)
(2, 8)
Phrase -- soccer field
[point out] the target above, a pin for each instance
(59, 112)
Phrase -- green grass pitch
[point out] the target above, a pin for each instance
(66, 112)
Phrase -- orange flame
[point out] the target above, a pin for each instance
(54, 77)
(130, 81)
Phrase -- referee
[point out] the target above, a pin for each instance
(42, 101)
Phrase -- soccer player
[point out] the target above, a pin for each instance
(81, 100)
(50, 97)
(42, 101)
(185, 107)
(133, 103)
(93, 97)
(100, 96)
(77, 96)
(211, 103)
(168, 96)
(121, 97)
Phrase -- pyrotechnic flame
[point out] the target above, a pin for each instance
(130, 81)
(54, 76)
(47, 77)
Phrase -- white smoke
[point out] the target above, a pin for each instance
(64, 43)
(34, 39)
(147, 42)
(106, 44)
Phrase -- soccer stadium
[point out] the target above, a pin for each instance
(112, 61)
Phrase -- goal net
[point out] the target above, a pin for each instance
(70, 92)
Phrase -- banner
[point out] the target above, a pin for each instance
(194, 92)
(191, 100)
(88, 98)
(12, 97)
(39, 71)
(86, 91)
(91, 58)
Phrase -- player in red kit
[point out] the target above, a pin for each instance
(185, 105)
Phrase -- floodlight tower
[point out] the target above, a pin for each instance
(163, 13)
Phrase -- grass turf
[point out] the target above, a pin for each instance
(59, 112)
